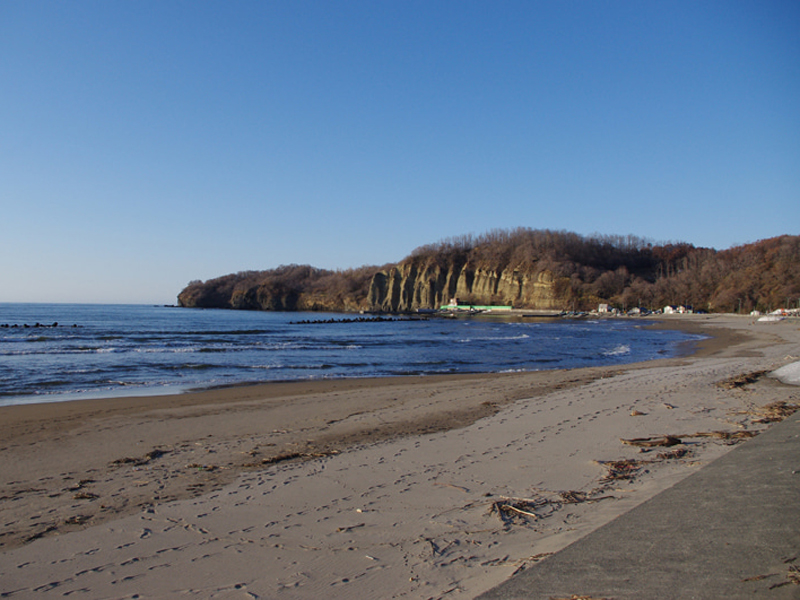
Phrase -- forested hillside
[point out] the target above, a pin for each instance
(534, 269)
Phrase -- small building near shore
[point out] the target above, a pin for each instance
(671, 310)
(607, 309)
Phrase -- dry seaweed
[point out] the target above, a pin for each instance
(200, 467)
(77, 520)
(285, 456)
(576, 597)
(792, 578)
(673, 454)
(524, 563)
(571, 497)
(85, 496)
(651, 442)
(758, 577)
(773, 412)
(725, 435)
(41, 534)
(624, 469)
(142, 460)
(739, 381)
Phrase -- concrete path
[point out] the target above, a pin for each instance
(731, 530)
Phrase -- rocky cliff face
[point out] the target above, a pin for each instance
(410, 286)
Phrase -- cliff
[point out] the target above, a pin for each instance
(410, 286)
(289, 288)
(531, 269)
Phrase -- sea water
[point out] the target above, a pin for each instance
(53, 352)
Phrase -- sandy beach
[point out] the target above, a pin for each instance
(419, 487)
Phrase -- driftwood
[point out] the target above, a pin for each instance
(512, 508)
(509, 509)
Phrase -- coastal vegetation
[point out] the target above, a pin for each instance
(531, 269)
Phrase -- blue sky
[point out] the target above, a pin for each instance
(144, 144)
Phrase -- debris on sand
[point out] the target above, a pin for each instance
(651, 442)
(673, 454)
(724, 435)
(772, 412)
(511, 510)
(286, 456)
(617, 470)
(739, 381)
(141, 460)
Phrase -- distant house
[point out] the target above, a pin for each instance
(671, 310)
(606, 309)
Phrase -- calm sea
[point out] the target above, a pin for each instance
(114, 350)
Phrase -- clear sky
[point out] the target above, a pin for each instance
(144, 144)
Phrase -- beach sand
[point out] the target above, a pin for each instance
(419, 487)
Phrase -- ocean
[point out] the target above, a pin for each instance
(58, 352)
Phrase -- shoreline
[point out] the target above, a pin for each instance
(692, 348)
(74, 469)
(161, 392)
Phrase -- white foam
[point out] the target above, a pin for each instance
(620, 350)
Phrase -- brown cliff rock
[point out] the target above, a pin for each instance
(410, 286)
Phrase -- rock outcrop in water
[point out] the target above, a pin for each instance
(530, 269)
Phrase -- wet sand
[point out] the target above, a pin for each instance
(371, 488)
